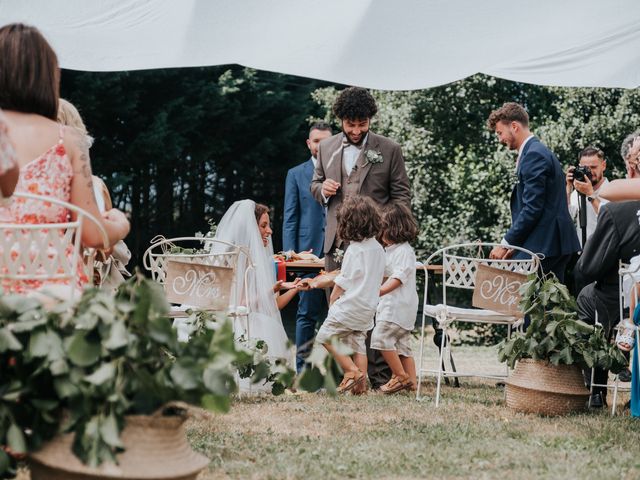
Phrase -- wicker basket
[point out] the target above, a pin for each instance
(156, 448)
(537, 386)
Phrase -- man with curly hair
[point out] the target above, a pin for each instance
(357, 162)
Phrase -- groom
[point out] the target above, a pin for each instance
(358, 162)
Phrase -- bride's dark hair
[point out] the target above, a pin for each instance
(261, 210)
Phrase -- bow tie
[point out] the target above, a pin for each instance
(346, 143)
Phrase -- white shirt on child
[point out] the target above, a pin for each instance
(360, 277)
(400, 306)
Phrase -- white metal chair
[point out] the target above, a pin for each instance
(624, 271)
(459, 272)
(222, 256)
(44, 254)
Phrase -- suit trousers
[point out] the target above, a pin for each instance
(557, 265)
(311, 310)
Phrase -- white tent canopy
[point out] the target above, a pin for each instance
(383, 44)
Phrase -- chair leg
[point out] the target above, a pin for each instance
(421, 363)
(615, 397)
(440, 365)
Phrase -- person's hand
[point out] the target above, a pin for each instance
(117, 217)
(569, 179)
(330, 188)
(290, 285)
(304, 285)
(277, 286)
(585, 188)
(499, 253)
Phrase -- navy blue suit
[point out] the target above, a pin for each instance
(303, 229)
(540, 219)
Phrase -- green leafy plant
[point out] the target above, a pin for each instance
(81, 367)
(555, 334)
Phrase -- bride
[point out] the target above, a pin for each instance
(246, 224)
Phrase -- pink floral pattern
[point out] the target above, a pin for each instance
(48, 175)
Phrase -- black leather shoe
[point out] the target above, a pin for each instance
(596, 401)
(625, 375)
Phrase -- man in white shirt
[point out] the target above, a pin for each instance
(592, 159)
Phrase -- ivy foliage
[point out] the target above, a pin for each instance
(555, 334)
(81, 367)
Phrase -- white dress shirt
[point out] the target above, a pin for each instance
(592, 216)
(350, 154)
(360, 277)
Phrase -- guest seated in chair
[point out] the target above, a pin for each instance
(109, 267)
(616, 237)
(53, 160)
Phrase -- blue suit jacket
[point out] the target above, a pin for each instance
(540, 219)
(303, 225)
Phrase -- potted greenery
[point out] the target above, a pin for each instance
(549, 355)
(108, 370)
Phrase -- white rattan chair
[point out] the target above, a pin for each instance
(47, 252)
(459, 272)
(222, 256)
(624, 271)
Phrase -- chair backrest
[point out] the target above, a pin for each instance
(43, 253)
(202, 271)
(460, 263)
(459, 270)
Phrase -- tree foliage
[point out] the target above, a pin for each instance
(461, 177)
(177, 147)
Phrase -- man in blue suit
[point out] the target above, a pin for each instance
(303, 229)
(540, 220)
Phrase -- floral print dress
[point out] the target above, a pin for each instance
(49, 175)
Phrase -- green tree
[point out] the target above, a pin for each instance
(177, 147)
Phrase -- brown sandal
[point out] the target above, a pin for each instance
(350, 381)
(396, 384)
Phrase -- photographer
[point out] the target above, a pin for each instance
(583, 188)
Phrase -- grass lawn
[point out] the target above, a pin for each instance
(471, 435)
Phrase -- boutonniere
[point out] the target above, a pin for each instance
(373, 157)
(338, 255)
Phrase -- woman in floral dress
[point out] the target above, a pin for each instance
(53, 160)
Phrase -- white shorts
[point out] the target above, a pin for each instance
(354, 339)
(391, 336)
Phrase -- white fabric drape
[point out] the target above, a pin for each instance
(383, 44)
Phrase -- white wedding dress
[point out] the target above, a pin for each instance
(239, 226)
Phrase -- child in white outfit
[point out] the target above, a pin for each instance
(354, 298)
(396, 314)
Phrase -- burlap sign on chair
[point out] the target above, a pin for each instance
(498, 290)
(198, 284)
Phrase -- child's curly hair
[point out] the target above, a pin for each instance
(358, 219)
(398, 224)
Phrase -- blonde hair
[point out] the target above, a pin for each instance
(69, 115)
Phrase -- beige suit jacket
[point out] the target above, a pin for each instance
(382, 182)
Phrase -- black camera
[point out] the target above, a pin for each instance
(581, 173)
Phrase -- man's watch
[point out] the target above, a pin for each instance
(591, 199)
